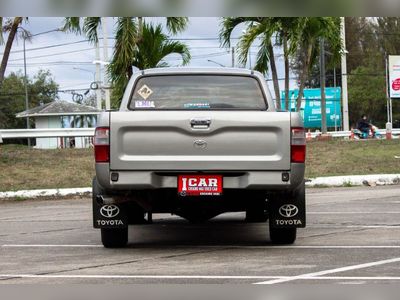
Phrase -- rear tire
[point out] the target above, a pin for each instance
(114, 237)
(282, 236)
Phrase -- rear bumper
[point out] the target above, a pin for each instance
(255, 180)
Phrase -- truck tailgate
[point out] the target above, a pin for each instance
(177, 140)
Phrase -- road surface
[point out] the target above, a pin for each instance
(353, 237)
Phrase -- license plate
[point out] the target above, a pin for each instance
(200, 185)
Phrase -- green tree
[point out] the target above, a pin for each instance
(388, 34)
(11, 26)
(128, 36)
(362, 43)
(257, 28)
(376, 38)
(42, 89)
(367, 95)
(287, 32)
(150, 53)
(311, 30)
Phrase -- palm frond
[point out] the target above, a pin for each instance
(229, 24)
(175, 47)
(72, 24)
(90, 26)
(177, 24)
(247, 39)
(263, 57)
(124, 50)
(155, 46)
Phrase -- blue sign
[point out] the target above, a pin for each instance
(311, 106)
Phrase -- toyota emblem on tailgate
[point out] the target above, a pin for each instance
(288, 210)
(109, 211)
(200, 144)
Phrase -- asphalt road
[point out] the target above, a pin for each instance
(353, 237)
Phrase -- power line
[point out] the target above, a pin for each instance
(47, 47)
(87, 41)
(54, 63)
(54, 54)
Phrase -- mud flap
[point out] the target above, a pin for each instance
(109, 215)
(288, 210)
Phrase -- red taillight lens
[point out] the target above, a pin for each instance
(102, 144)
(298, 145)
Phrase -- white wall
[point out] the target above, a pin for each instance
(47, 122)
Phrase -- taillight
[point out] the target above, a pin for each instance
(102, 144)
(298, 145)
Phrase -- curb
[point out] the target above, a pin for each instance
(354, 180)
(45, 193)
(332, 181)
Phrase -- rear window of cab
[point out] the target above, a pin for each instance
(197, 92)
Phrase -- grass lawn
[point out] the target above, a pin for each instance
(344, 157)
(23, 168)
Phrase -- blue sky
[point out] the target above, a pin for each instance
(61, 59)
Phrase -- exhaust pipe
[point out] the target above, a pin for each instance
(101, 200)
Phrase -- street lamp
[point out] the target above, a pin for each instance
(216, 63)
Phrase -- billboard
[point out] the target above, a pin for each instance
(394, 76)
(311, 106)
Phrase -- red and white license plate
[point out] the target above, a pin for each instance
(200, 185)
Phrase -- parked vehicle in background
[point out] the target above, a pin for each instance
(198, 143)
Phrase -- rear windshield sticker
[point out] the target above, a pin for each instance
(198, 105)
(144, 104)
(145, 92)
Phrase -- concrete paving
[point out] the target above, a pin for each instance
(353, 237)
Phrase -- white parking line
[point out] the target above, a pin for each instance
(50, 246)
(214, 246)
(140, 276)
(332, 271)
(275, 278)
(350, 212)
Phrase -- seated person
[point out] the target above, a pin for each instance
(363, 125)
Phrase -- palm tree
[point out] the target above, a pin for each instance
(129, 35)
(261, 28)
(11, 26)
(287, 32)
(149, 53)
(311, 30)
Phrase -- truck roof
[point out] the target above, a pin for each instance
(197, 70)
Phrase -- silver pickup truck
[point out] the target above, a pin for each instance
(198, 142)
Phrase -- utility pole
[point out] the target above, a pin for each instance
(344, 78)
(28, 125)
(98, 75)
(105, 53)
(334, 101)
(233, 57)
(322, 80)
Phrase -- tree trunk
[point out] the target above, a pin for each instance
(7, 49)
(274, 75)
(304, 74)
(129, 72)
(140, 30)
(286, 57)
